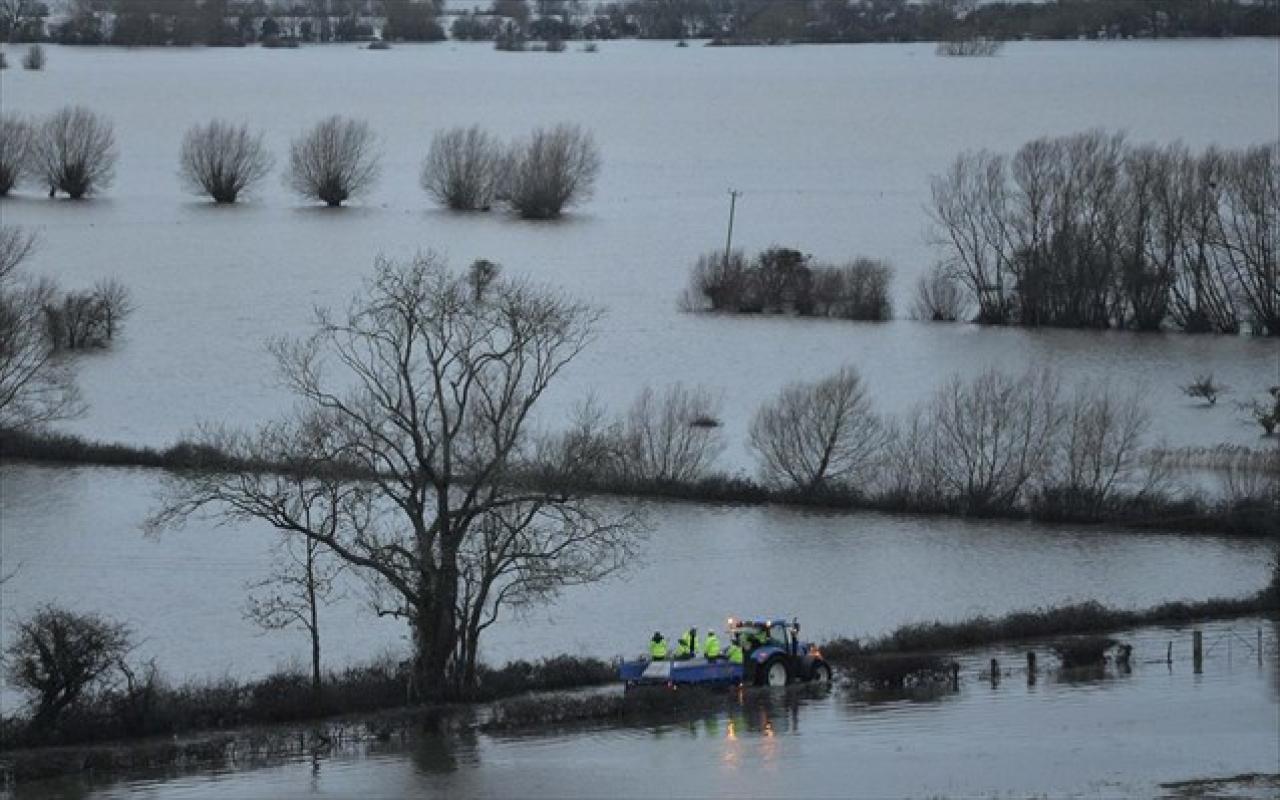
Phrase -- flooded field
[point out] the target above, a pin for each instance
(833, 147)
(1083, 734)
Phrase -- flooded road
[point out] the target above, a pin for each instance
(1109, 734)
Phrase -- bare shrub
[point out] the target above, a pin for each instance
(16, 138)
(1265, 411)
(463, 169)
(719, 282)
(672, 437)
(818, 435)
(76, 152)
(859, 291)
(554, 168)
(59, 655)
(939, 297)
(1204, 387)
(334, 161)
(34, 59)
(223, 160)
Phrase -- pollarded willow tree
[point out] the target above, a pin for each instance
(403, 459)
(222, 160)
(334, 161)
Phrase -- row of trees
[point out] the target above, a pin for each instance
(872, 20)
(783, 280)
(222, 22)
(996, 443)
(1089, 230)
(74, 152)
(468, 169)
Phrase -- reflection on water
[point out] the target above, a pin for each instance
(1112, 733)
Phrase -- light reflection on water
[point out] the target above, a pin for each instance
(1116, 734)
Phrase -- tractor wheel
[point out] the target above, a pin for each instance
(821, 672)
(773, 672)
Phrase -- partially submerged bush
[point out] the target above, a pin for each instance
(553, 168)
(34, 59)
(16, 142)
(898, 670)
(77, 320)
(223, 160)
(782, 279)
(1083, 651)
(334, 161)
(1204, 387)
(75, 152)
(463, 169)
(672, 437)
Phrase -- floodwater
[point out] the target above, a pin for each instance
(832, 146)
(1084, 734)
(75, 533)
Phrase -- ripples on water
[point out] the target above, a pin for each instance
(1117, 735)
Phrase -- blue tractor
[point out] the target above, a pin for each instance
(773, 655)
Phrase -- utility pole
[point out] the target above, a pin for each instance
(728, 242)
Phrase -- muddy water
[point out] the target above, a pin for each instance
(1109, 733)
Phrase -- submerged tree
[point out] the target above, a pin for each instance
(223, 160)
(334, 161)
(75, 152)
(413, 426)
(463, 169)
(553, 168)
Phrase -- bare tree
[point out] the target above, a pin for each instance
(1249, 234)
(413, 416)
(819, 435)
(76, 152)
(718, 282)
(673, 437)
(554, 168)
(223, 160)
(115, 302)
(939, 297)
(1101, 451)
(15, 151)
(463, 169)
(968, 208)
(36, 387)
(58, 655)
(992, 437)
(302, 580)
(334, 161)
(79, 319)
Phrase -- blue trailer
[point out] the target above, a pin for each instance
(773, 656)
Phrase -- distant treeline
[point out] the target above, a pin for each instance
(228, 22)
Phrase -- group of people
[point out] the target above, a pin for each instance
(689, 646)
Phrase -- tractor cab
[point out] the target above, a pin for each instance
(774, 655)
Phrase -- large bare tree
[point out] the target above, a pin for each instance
(413, 430)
